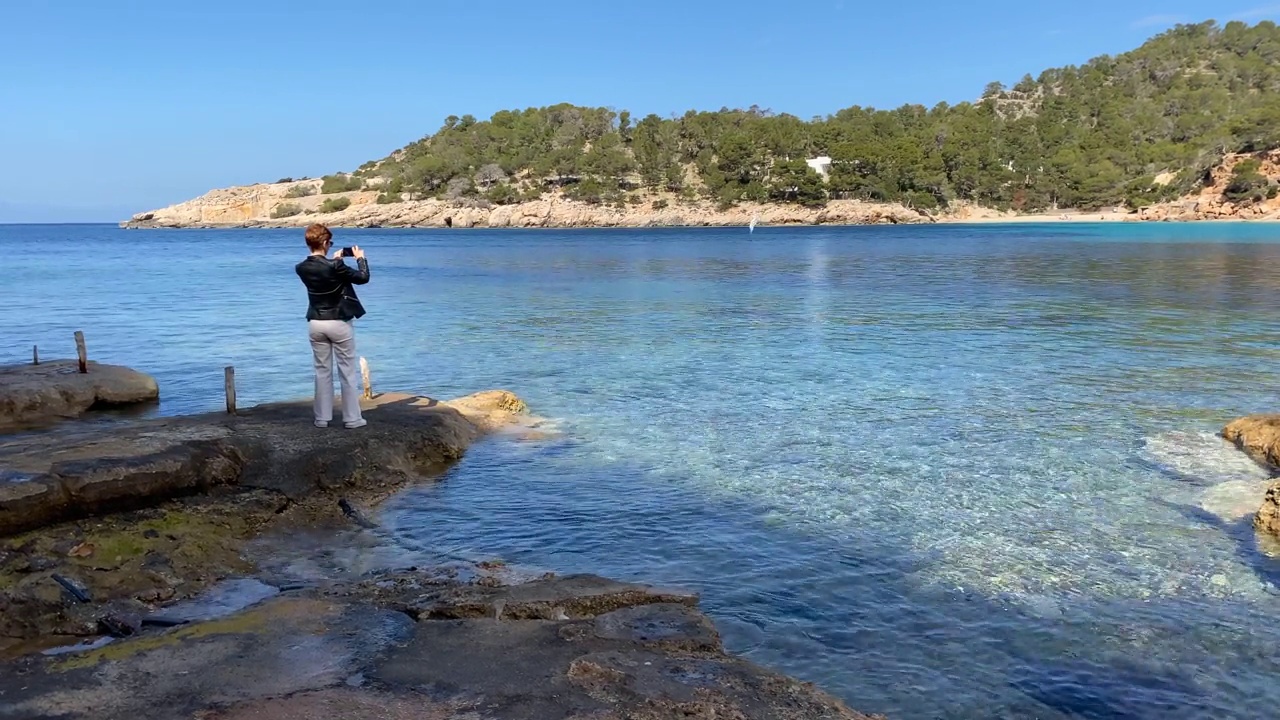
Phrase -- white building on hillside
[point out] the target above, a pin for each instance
(820, 165)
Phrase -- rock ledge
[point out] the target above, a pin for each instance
(35, 395)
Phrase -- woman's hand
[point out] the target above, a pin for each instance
(337, 254)
(356, 252)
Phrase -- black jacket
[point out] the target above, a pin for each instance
(329, 287)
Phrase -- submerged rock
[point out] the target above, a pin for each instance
(346, 653)
(35, 395)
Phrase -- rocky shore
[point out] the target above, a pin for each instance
(172, 550)
(261, 205)
(254, 205)
(1259, 437)
(38, 395)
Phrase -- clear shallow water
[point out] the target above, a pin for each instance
(945, 472)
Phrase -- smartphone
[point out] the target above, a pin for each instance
(346, 252)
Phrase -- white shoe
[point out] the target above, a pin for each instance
(357, 424)
(322, 424)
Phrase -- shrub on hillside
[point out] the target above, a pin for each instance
(593, 192)
(340, 183)
(285, 210)
(386, 198)
(1248, 184)
(283, 180)
(335, 204)
(459, 188)
(298, 191)
(502, 194)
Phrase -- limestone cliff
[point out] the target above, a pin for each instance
(260, 206)
(253, 206)
(1210, 203)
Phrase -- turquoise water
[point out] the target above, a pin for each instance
(945, 472)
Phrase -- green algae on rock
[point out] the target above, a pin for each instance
(155, 511)
(77, 472)
(342, 649)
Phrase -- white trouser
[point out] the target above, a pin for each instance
(330, 339)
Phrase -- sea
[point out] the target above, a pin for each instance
(950, 471)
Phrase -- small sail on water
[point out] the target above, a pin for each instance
(752, 227)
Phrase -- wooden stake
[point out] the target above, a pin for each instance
(231, 390)
(35, 355)
(81, 353)
(364, 378)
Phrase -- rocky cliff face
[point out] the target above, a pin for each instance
(1210, 202)
(252, 206)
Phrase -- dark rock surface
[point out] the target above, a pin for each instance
(154, 511)
(36, 395)
(339, 652)
(81, 472)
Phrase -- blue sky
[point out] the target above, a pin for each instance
(110, 108)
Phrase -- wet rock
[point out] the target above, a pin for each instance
(35, 395)
(73, 588)
(563, 597)
(282, 647)
(1268, 517)
(119, 627)
(355, 514)
(676, 627)
(1259, 437)
(533, 669)
(344, 652)
(347, 704)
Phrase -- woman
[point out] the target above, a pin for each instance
(333, 306)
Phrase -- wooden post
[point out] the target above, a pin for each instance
(231, 390)
(364, 378)
(35, 355)
(81, 353)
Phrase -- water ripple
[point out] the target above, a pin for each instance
(946, 472)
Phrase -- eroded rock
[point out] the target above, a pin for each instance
(1268, 517)
(1259, 437)
(81, 473)
(555, 598)
(36, 395)
(347, 650)
(155, 511)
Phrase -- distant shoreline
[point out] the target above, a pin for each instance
(264, 206)
(1012, 220)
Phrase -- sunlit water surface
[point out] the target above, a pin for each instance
(945, 472)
